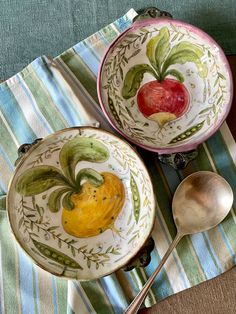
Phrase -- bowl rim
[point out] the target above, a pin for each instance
(27, 154)
(185, 147)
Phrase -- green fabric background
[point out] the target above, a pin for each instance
(30, 28)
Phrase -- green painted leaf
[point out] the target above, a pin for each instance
(162, 47)
(176, 74)
(133, 79)
(54, 200)
(56, 256)
(158, 47)
(186, 52)
(66, 201)
(94, 177)
(39, 179)
(78, 149)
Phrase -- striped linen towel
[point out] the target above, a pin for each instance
(51, 94)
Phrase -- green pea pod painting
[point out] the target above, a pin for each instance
(81, 203)
(165, 85)
(166, 98)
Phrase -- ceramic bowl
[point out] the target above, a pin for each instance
(165, 85)
(81, 203)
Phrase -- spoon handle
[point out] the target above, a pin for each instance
(138, 300)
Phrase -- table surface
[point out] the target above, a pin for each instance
(214, 296)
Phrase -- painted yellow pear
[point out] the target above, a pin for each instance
(95, 208)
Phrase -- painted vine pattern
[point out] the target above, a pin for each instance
(127, 162)
(114, 72)
(32, 221)
(52, 148)
(30, 224)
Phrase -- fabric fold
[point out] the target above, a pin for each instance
(52, 94)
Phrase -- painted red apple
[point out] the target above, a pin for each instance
(165, 98)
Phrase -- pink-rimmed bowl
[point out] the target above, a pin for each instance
(165, 85)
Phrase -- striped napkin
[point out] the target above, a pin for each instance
(51, 94)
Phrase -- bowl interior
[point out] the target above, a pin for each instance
(165, 85)
(81, 203)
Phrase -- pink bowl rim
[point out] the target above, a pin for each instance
(185, 146)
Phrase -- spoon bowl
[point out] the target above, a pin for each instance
(201, 201)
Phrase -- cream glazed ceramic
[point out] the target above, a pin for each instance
(81, 203)
(165, 85)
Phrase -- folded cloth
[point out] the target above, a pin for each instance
(51, 94)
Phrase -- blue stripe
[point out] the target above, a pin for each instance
(78, 289)
(94, 108)
(184, 280)
(206, 236)
(93, 51)
(54, 295)
(100, 35)
(204, 256)
(111, 287)
(122, 24)
(88, 58)
(59, 100)
(15, 117)
(161, 288)
(26, 283)
(72, 108)
(3, 190)
(172, 176)
(40, 117)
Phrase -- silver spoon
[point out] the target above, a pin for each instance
(201, 201)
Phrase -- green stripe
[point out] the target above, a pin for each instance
(8, 263)
(3, 203)
(81, 71)
(96, 298)
(229, 228)
(224, 163)
(62, 286)
(202, 161)
(109, 33)
(45, 102)
(8, 144)
(189, 262)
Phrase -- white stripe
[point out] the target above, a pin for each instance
(131, 14)
(85, 99)
(29, 111)
(162, 244)
(1, 283)
(76, 100)
(229, 140)
(9, 129)
(76, 302)
(18, 294)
